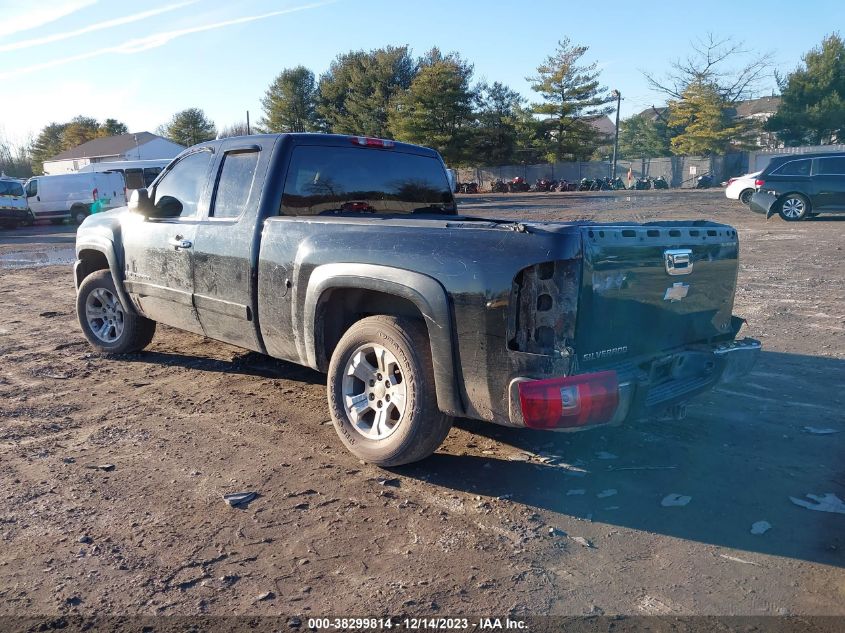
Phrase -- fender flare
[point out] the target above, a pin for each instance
(423, 291)
(106, 247)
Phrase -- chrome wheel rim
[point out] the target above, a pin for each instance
(793, 207)
(104, 315)
(374, 391)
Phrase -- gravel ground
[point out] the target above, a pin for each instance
(112, 469)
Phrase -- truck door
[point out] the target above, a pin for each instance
(227, 242)
(159, 250)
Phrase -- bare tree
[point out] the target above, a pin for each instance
(733, 70)
(236, 129)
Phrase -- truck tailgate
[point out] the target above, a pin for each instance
(653, 287)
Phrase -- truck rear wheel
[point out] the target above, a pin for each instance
(107, 326)
(381, 392)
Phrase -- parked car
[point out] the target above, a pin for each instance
(416, 314)
(13, 209)
(742, 187)
(801, 186)
(75, 196)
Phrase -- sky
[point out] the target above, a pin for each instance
(140, 62)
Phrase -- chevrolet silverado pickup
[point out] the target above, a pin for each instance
(348, 255)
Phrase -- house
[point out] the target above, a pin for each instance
(138, 146)
(759, 111)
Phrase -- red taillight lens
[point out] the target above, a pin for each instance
(730, 180)
(569, 402)
(759, 183)
(95, 194)
(366, 141)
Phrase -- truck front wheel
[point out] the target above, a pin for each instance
(107, 326)
(381, 392)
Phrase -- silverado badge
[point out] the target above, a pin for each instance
(676, 292)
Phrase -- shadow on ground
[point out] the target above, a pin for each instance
(741, 453)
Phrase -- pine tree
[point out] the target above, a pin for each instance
(356, 93)
(812, 109)
(707, 126)
(642, 137)
(437, 108)
(572, 96)
(189, 127)
(494, 138)
(290, 102)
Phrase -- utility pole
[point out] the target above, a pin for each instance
(247, 123)
(618, 96)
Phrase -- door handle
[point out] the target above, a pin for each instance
(178, 243)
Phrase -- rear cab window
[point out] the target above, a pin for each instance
(331, 180)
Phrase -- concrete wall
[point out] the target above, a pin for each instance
(679, 171)
(759, 159)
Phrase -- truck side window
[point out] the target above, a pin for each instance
(234, 184)
(185, 182)
(31, 188)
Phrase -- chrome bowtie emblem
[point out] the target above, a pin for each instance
(676, 292)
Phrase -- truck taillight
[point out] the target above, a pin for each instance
(366, 141)
(95, 194)
(573, 401)
(759, 183)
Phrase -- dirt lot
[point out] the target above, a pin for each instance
(498, 521)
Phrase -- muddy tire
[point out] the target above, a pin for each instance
(107, 326)
(381, 392)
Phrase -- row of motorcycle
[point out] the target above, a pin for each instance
(519, 185)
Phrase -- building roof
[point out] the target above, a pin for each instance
(743, 109)
(106, 146)
(602, 124)
(654, 113)
(763, 105)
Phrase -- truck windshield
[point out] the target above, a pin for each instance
(325, 180)
(10, 188)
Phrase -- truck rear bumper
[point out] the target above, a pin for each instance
(584, 401)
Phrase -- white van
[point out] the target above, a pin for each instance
(13, 210)
(136, 173)
(74, 196)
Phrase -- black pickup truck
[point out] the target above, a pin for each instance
(348, 255)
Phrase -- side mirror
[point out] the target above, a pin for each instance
(168, 207)
(139, 202)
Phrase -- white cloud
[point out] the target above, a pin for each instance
(98, 26)
(63, 100)
(153, 41)
(24, 15)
